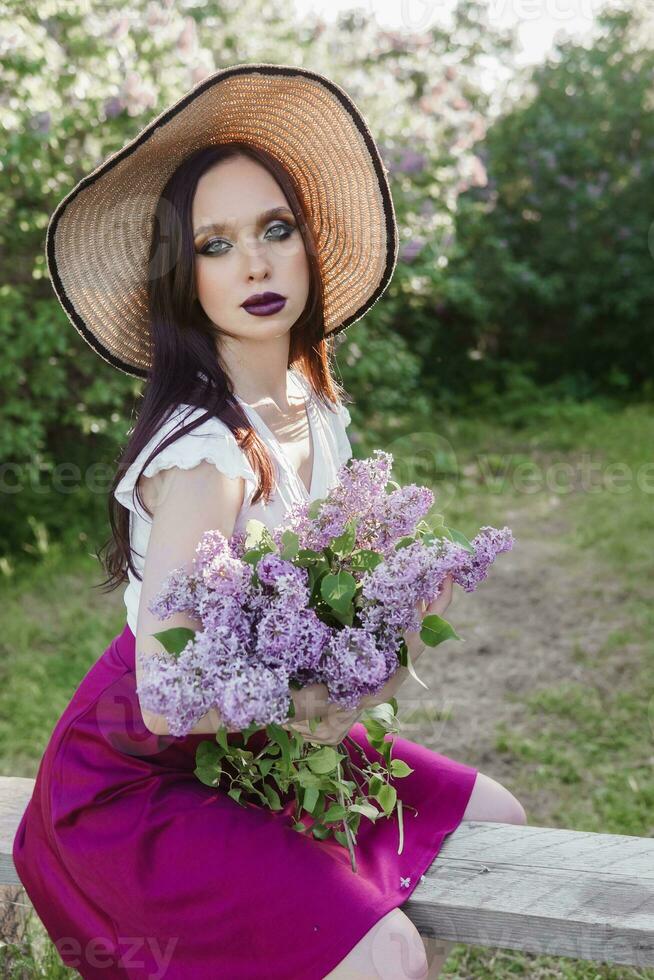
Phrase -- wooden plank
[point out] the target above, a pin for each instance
(541, 890)
(538, 889)
(15, 793)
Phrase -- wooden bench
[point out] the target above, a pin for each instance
(541, 890)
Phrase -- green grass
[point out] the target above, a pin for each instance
(589, 750)
(54, 628)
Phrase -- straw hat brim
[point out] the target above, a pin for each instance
(98, 238)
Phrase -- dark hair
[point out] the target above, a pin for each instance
(185, 364)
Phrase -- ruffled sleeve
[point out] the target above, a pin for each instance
(212, 441)
(341, 421)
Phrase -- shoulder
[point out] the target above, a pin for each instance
(211, 441)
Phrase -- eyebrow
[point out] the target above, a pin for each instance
(222, 226)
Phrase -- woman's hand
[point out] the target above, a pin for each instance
(436, 607)
(336, 722)
(331, 729)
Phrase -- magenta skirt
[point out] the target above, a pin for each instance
(138, 870)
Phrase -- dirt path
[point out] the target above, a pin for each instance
(532, 624)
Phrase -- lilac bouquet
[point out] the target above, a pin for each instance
(324, 598)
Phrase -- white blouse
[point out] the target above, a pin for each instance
(214, 441)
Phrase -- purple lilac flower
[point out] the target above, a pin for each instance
(178, 593)
(218, 569)
(353, 666)
(284, 577)
(391, 590)
(254, 695)
(259, 632)
(290, 638)
(181, 688)
(381, 518)
(488, 543)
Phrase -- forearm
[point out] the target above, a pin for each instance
(310, 701)
(208, 724)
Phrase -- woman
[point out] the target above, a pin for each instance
(271, 228)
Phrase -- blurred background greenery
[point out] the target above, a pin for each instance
(516, 337)
(525, 273)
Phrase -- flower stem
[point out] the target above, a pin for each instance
(355, 744)
(348, 830)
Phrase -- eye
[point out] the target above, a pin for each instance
(284, 227)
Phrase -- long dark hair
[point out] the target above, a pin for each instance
(186, 365)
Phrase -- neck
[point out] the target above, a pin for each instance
(258, 370)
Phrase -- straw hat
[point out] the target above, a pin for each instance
(98, 238)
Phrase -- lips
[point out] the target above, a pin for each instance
(264, 304)
(263, 299)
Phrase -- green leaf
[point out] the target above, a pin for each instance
(209, 774)
(320, 832)
(435, 630)
(257, 535)
(300, 827)
(383, 713)
(235, 793)
(324, 760)
(290, 545)
(375, 785)
(272, 797)
(254, 555)
(387, 797)
(404, 542)
(437, 533)
(373, 728)
(311, 795)
(337, 589)
(221, 739)
(353, 820)
(364, 560)
(314, 508)
(462, 540)
(279, 735)
(365, 809)
(335, 812)
(344, 543)
(346, 618)
(399, 768)
(306, 557)
(207, 751)
(175, 639)
(412, 669)
(307, 778)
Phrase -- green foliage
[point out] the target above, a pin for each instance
(555, 253)
(109, 70)
(524, 271)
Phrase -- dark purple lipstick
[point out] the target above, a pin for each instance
(263, 304)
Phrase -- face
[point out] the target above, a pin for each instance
(246, 249)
